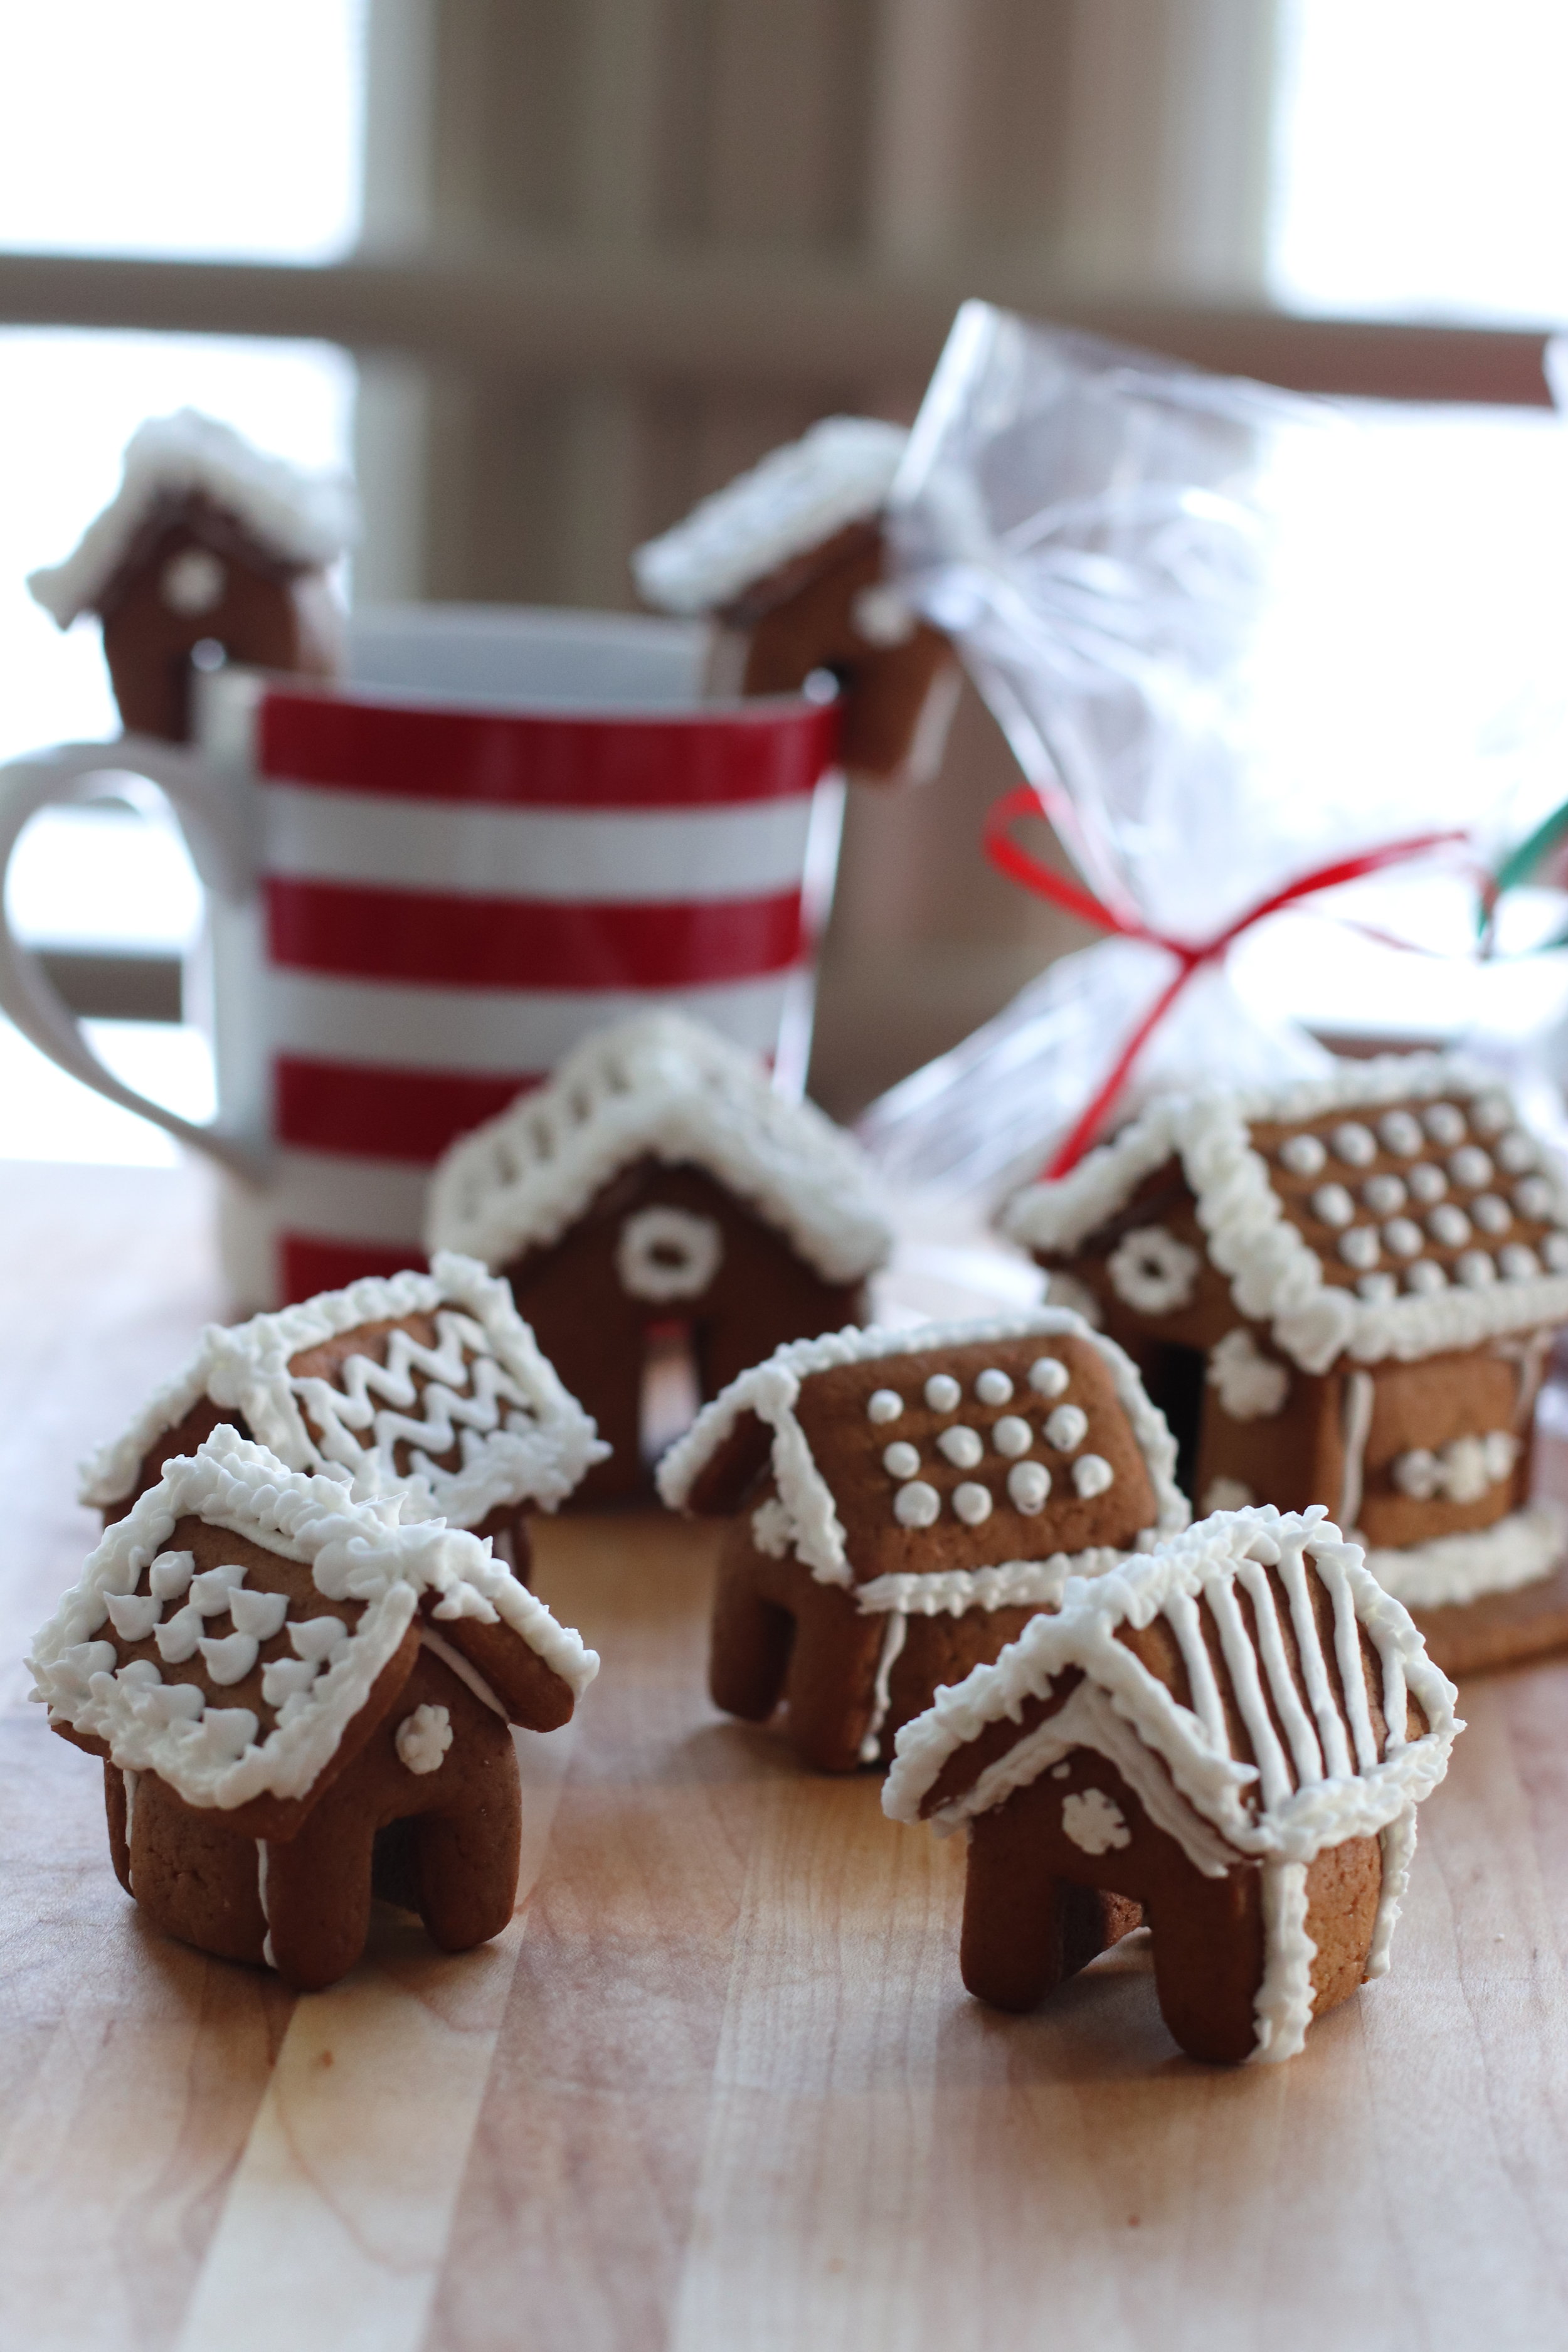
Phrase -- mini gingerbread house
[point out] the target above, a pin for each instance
(905, 1502)
(1341, 1292)
(1228, 1740)
(426, 1381)
(790, 560)
(658, 1181)
(302, 1701)
(207, 543)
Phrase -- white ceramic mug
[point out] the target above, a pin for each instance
(501, 830)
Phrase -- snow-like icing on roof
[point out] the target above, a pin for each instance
(771, 1390)
(522, 1436)
(1317, 1779)
(838, 473)
(361, 1557)
(663, 1086)
(1450, 1254)
(302, 519)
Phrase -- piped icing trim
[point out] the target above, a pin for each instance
(1274, 1275)
(669, 1088)
(1398, 1848)
(537, 1447)
(1331, 1787)
(1011, 1584)
(810, 1523)
(1283, 2006)
(1518, 1550)
(356, 1550)
(800, 496)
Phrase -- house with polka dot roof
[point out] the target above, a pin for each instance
(1343, 1292)
(903, 1502)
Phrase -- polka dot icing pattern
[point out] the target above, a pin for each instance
(884, 1405)
(943, 1392)
(1475, 1270)
(917, 1504)
(1354, 1144)
(1404, 1238)
(1303, 1155)
(1448, 1224)
(1376, 1286)
(962, 1447)
(1471, 1167)
(1091, 1475)
(1012, 1435)
(1517, 1153)
(1518, 1263)
(1049, 1376)
(972, 1503)
(994, 1388)
(1066, 1428)
(1400, 1134)
(1383, 1195)
(1533, 1197)
(1444, 1123)
(920, 1500)
(1427, 1183)
(1360, 1247)
(902, 1460)
(1426, 1277)
(1028, 1488)
(1334, 1204)
(1490, 1213)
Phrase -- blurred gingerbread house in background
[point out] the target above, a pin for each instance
(209, 551)
(789, 560)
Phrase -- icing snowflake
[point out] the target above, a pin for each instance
(1094, 1822)
(1251, 1386)
(424, 1737)
(1153, 1271)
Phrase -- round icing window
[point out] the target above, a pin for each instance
(667, 1254)
(192, 581)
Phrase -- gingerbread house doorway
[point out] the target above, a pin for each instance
(672, 1387)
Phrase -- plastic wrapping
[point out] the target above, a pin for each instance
(1101, 533)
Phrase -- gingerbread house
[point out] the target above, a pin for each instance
(658, 1184)
(1227, 1741)
(904, 1501)
(1344, 1292)
(430, 1382)
(210, 551)
(790, 560)
(302, 1701)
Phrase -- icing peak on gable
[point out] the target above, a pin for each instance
(661, 1086)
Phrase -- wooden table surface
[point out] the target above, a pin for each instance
(719, 2087)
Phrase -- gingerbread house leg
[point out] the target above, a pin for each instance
(751, 1638)
(467, 1862)
(1024, 1931)
(114, 1809)
(830, 1686)
(317, 1897)
(1208, 1962)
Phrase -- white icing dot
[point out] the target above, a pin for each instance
(1405, 1238)
(884, 1405)
(1491, 1113)
(993, 1386)
(178, 1635)
(1091, 1475)
(260, 1615)
(1049, 1376)
(1448, 1224)
(424, 1737)
(1475, 1270)
(1359, 1247)
(1303, 1155)
(1518, 1263)
(1444, 1123)
(1377, 1289)
(230, 1660)
(1429, 1183)
(1094, 1823)
(1471, 1167)
(1061, 1772)
(1517, 1152)
(1332, 1204)
(1028, 1488)
(1554, 1249)
(171, 1574)
(917, 1504)
(1426, 1277)
(1400, 1134)
(943, 1392)
(1068, 1427)
(1354, 1144)
(133, 1615)
(972, 1503)
(962, 1446)
(1533, 1197)
(211, 1593)
(1383, 1195)
(1491, 1215)
(900, 1460)
(1011, 1435)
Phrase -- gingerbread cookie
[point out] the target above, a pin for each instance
(1344, 1292)
(1226, 1739)
(658, 1181)
(790, 559)
(905, 1502)
(301, 1700)
(428, 1382)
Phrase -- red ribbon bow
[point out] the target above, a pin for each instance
(1030, 799)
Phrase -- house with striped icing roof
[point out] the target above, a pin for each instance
(1343, 1292)
(428, 1384)
(301, 1700)
(656, 1189)
(903, 1502)
(1225, 1740)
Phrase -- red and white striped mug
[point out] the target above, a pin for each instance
(425, 884)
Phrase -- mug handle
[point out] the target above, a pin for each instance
(211, 814)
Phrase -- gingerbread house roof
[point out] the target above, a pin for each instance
(757, 1420)
(663, 1086)
(800, 496)
(1393, 1208)
(303, 520)
(307, 1650)
(1274, 1750)
(485, 1387)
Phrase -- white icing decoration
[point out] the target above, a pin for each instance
(884, 1405)
(1398, 1844)
(1444, 1123)
(1518, 1264)
(893, 1639)
(1533, 1197)
(1028, 1488)
(1354, 1144)
(192, 581)
(884, 617)
(1403, 1237)
(1517, 1152)
(1283, 2006)
(286, 1678)
(1424, 1277)
(1223, 1494)
(230, 1659)
(1012, 1435)
(1093, 1475)
(1093, 1822)
(1375, 1287)
(455, 1662)
(177, 1636)
(1153, 1271)
(994, 1388)
(259, 1614)
(1359, 1247)
(1427, 1183)
(1471, 1167)
(665, 1253)
(770, 1521)
(1491, 1113)
(1475, 1270)
(1332, 1205)
(212, 1592)
(1303, 1155)
(1400, 1134)
(1066, 1427)
(902, 1460)
(1011, 1584)
(1360, 1395)
(1518, 1550)
(133, 1615)
(1463, 1471)
(1049, 1376)
(176, 1703)
(1555, 1248)
(1066, 1290)
(1249, 1385)
(962, 1447)
(1450, 1225)
(1383, 1195)
(943, 1392)
(171, 1574)
(971, 1502)
(424, 1737)
(318, 1637)
(917, 1504)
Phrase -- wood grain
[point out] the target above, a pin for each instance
(719, 2087)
